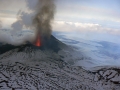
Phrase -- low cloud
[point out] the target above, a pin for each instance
(83, 27)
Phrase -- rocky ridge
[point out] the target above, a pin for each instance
(52, 74)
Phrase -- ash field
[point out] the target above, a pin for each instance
(27, 67)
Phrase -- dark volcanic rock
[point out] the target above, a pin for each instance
(49, 76)
(28, 67)
(52, 44)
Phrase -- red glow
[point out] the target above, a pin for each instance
(38, 42)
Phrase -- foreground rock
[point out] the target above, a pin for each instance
(55, 75)
(31, 68)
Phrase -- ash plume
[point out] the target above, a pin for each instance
(38, 18)
(42, 20)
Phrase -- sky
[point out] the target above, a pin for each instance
(89, 19)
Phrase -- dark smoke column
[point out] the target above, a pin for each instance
(42, 20)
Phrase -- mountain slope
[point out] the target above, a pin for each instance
(28, 67)
(52, 44)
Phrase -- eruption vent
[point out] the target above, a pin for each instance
(38, 42)
(42, 20)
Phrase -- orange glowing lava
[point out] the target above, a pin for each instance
(38, 42)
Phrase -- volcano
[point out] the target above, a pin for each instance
(51, 44)
(49, 67)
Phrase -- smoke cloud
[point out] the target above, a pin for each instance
(38, 18)
(45, 13)
(33, 22)
(17, 39)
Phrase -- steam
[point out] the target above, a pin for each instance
(38, 18)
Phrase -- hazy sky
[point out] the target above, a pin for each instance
(96, 16)
(96, 13)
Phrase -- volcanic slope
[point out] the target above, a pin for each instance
(28, 67)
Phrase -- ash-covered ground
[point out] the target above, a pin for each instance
(27, 67)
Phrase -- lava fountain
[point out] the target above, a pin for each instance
(38, 42)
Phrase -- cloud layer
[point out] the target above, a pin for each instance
(83, 27)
